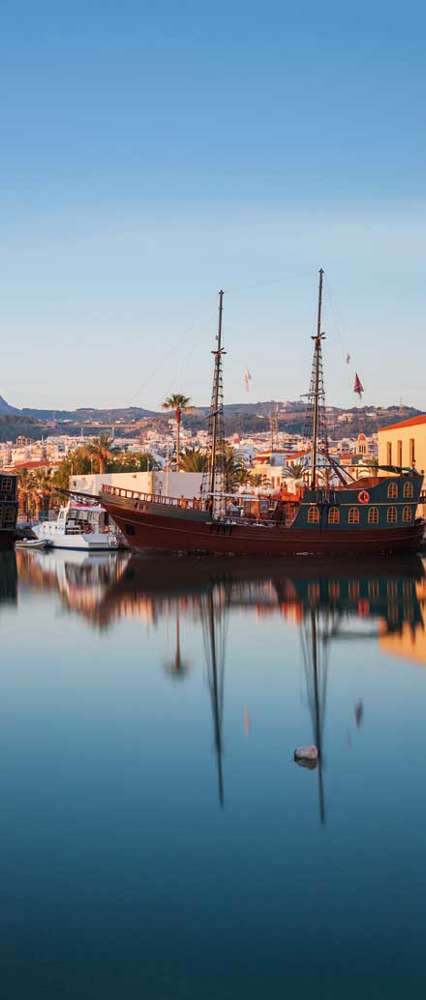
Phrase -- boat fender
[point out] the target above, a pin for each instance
(363, 496)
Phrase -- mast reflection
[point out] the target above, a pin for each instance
(328, 602)
(213, 617)
(315, 660)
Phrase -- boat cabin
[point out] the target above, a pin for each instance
(79, 519)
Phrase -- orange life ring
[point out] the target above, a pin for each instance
(363, 496)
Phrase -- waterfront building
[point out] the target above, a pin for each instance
(404, 444)
(164, 483)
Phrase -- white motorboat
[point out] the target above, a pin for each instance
(79, 526)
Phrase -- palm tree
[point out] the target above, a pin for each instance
(180, 404)
(43, 487)
(25, 491)
(235, 471)
(136, 461)
(297, 469)
(100, 451)
(257, 479)
(241, 475)
(194, 460)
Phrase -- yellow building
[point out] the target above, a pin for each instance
(404, 444)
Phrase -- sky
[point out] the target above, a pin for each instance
(153, 153)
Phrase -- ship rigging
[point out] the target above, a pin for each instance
(376, 515)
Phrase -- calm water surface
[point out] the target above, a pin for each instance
(157, 839)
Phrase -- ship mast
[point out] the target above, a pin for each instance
(317, 388)
(216, 472)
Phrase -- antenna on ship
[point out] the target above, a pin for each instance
(216, 467)
(316, 395)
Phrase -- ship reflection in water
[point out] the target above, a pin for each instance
(328, 603)
(149, 713)
(8, 578)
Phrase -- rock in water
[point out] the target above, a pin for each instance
(307, 756)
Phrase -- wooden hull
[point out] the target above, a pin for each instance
(149, 530)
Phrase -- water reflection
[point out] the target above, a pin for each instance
(82, 581)
(8, 578)
(214, 620)
(106, 587)
(149, 791)
(329, 603)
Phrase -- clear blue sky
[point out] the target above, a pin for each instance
(154, 152)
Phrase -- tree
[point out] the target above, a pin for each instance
(236, 473)
(25, 492)
(180, 405)
(258, 479)
(76, 463)
(241, 475)
(136, 461)
(297, 469)
(43, 486)
(194, 460)
(100, 451)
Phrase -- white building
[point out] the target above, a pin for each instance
(161, 483)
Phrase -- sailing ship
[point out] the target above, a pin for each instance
(8, 510)
(333, 515)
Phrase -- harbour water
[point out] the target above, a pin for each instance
(157, 838)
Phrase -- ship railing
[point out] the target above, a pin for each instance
(244, 514)
(124, 494)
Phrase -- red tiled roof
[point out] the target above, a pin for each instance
(411, 422)
(41, 463)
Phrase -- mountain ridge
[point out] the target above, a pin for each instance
(129, 413)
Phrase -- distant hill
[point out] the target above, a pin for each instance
(13, 425)
(242, 418)
(6, 407)
(86, 413)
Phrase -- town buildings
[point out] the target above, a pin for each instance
(404, 444)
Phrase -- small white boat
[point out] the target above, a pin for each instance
(33, 543)
(79, 526)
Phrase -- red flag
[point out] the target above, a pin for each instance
(358, 386)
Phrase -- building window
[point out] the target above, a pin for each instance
(373, 590)
(353, 515)
(313, 514)
(408, 491)
(399, 453)
(334, 515)
(373, 515)
(412, 452)
(392, 490)
(389, 453)
(407, 514)
(392, 515)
